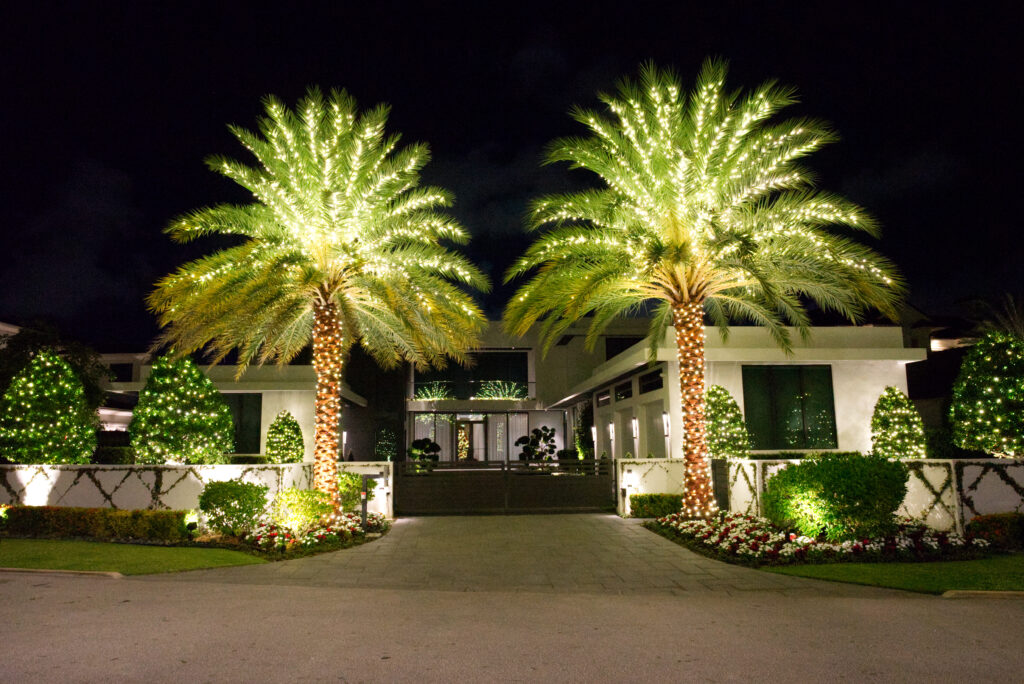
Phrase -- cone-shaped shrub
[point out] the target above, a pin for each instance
(987, 411)
(896, 427)
(180, 417)
(44, 417)
(727, 433)
(284, 440)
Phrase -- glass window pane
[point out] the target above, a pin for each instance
(758, 406)
(819, 407)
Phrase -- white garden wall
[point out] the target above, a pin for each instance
(171, 487)
(944, 494)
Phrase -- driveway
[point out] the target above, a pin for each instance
(496, 599)
(599, 554)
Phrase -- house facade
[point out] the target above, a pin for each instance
(819, 397)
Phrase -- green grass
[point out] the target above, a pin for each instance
(128, 559)
(999, 573)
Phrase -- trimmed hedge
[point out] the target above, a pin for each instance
(95, 523)
(233, 507)
(1001, 530)
(845, 496)
(113, 455)
(654, 505)
(248, 459)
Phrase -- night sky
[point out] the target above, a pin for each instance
(109, 110)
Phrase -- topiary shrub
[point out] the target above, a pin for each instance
(1003, 531)
(284, 440)
(44, 417)
(654, 505)
(896, 427)
(727, 435)
(232, 507)
(300, 510)
(987, 411)
(350, 485)
(180, 417)
(247, 459)
(843, 496)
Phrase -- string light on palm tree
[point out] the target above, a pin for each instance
(340, 246)
(702, 210)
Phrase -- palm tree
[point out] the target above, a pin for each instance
(702, 209)
(340, 246)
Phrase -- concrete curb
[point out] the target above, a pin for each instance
(88, 573)
(984, 594)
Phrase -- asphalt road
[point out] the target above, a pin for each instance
(213, 626)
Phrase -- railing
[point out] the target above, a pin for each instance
(564, 467)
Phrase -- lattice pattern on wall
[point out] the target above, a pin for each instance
(931, 495)
(985, 487)
(744, 496)
(135, 487)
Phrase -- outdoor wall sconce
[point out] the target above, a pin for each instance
(636, 427)
(611, 430)
(665, 421)
(593, 434)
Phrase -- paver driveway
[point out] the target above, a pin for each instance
(535, 553)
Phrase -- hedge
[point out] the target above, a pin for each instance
(1001, 530)
(654, 505)
(94, 523)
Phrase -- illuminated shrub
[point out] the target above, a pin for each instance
(349, 487)
(233, 507)
(539, 445)
(844, 496)
(180, 417)
(726, 432)
(284, 440)
(654, 505)
(987, 411)
(896, 427)
(1001, 530)
(44, 417)
(300, 510)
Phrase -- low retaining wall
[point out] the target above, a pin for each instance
(647, 476)
(944, 494)
(172, 487)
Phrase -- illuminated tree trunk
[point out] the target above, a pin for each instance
(328, 362)
(698, 499)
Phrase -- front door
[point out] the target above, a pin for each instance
(470, 440)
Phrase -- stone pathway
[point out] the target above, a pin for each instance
(600, 554)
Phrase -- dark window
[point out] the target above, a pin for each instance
(462, 383)
(789, 407)
(613, 346)
(122, 372)
(604, 398)
(245, 412)
(651, 381)
(624, 390)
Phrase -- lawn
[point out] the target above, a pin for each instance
(128, 559)
(998, 573)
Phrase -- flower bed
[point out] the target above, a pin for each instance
(339, 532)
(738, 538)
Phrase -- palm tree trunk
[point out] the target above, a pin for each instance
(688, 320)
(328, 362)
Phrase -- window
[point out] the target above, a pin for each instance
(245, 413)
(650, 382)
(122, 371)
(624, 390)
(604, 398)
(789, 407)
(459, 382)
(613, 346)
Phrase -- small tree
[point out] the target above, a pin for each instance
(539, 445)
(896, 427)
(987, 411)
(727, 433)
(180, 417)
(44, 417)
(284, 440)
